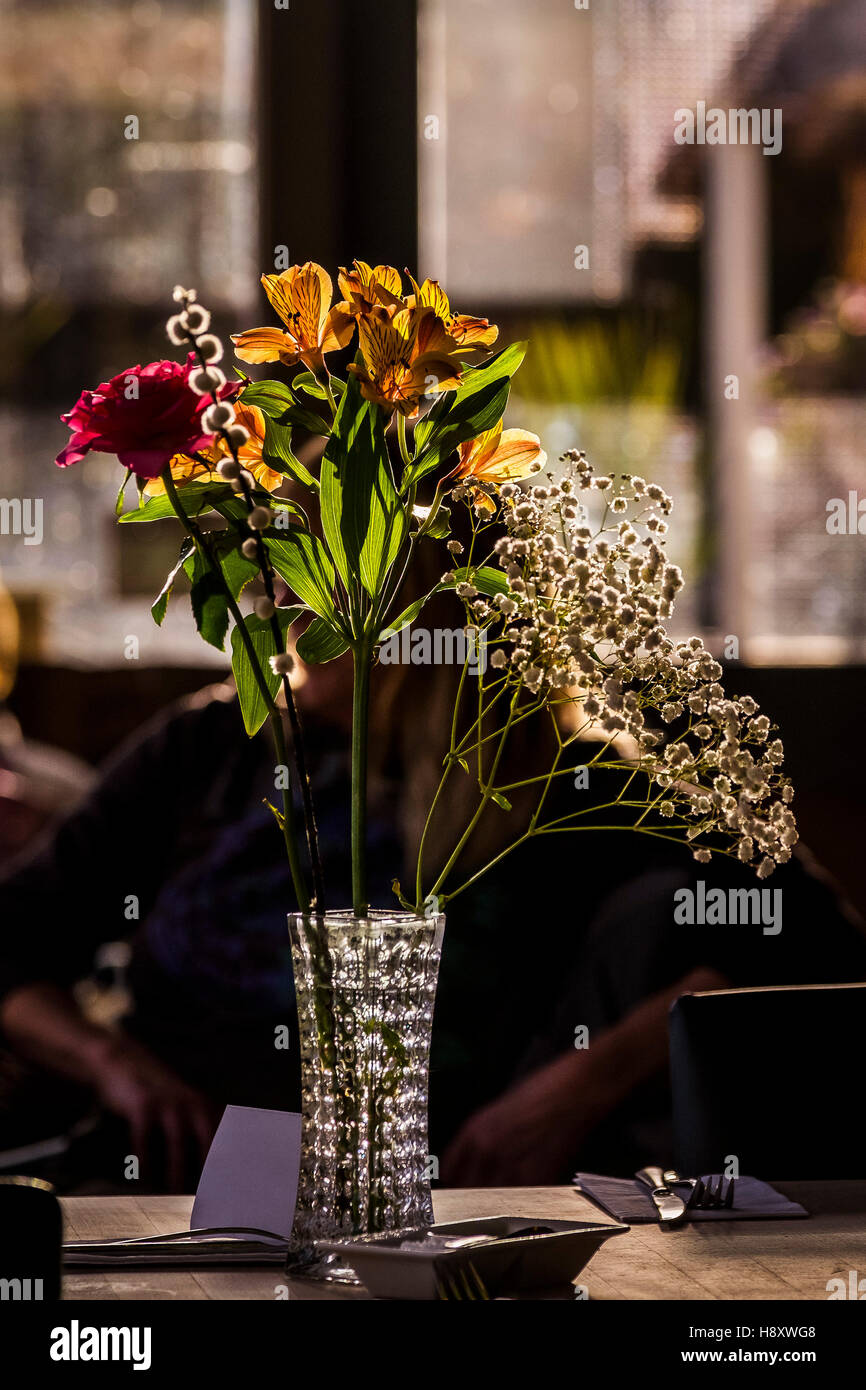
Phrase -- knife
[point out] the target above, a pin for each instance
(669, 1206)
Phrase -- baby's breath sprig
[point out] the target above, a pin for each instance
(581, 623)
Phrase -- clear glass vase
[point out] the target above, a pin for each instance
(365, 990)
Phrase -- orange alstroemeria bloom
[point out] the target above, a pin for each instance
(366, 287)
(188, 470)
(408, 353)
(470, 333)
(498, 456)
(302, 298)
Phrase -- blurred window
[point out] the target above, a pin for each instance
(127, 150)
(547, 128)
(128, 164)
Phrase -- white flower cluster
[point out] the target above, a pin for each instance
(582, 621)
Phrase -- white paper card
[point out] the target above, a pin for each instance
(250, 1176)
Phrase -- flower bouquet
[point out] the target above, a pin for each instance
(562, 583)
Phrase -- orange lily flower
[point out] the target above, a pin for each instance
(367, 287)
(188, 470)
(498, 456)
(469, 332)
(408, 353)
(302, 298)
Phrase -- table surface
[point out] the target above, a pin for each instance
(710, 1260)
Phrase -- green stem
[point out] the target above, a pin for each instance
(288, 825)
(545, 789)
(312, 830)
(401, 439)
(464, 748)
(555, 829)
(503, 854)
(449, 762)
(360, 732)
(326, 382)
(486, 794)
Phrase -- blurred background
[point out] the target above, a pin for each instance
(697, 314)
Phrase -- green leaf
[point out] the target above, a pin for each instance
(234, 508)
(278, 454)
(364, 521)
(406, 617)
(302, 561)
(208, 599)
(254, 708)
(277, 404)
(273, 398)
(439, 527)
(118, 506)
(307, 419)
(237, 569)
(306, 381)
(196, 498)
(282, 504)
(501, 800)
(321, 642)
(387, 528)
(160, 604)
(487, 580)
(477, 405)
(277, 401)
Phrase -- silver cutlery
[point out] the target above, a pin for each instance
(712, 1194)
(669, 1205)
(707, 1193)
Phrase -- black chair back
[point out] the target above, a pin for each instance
(771, 1077)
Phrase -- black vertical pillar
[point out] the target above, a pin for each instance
(338, 141)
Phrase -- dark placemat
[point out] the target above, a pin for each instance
(628, 1200)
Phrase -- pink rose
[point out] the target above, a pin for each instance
(145, 415)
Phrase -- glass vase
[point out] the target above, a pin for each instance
(365, 989)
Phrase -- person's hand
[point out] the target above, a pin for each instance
(162, 1111)
(531, 1133)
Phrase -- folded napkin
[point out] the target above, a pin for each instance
(200, 1247)
(629, 1201)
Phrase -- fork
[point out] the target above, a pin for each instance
(707, 1194)
(710, 1195)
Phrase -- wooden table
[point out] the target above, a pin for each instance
(710, 1260)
